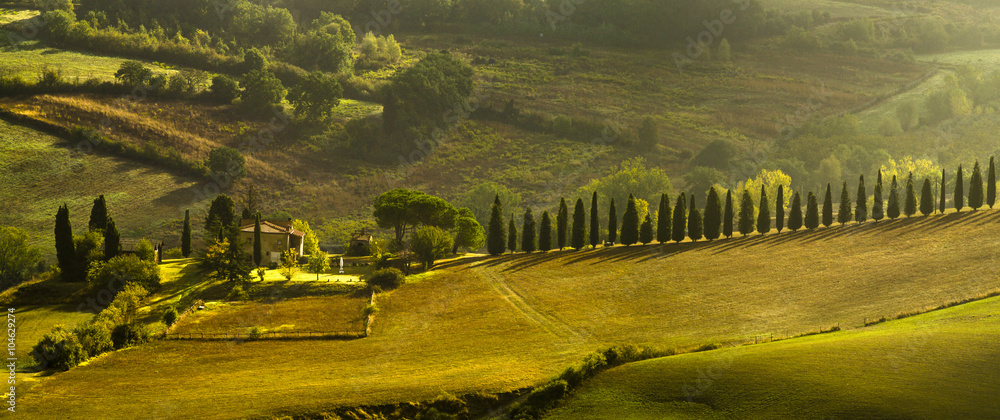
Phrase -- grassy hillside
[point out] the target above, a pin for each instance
(936, 365)
(499, 324)
(32, 57)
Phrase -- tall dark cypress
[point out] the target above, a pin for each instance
(695, 228)
(99, 214)
(941, 205)
(893, 210)
(65, 248)
(646, 230)
(630, 223)
(877, 212)
(496, 235)
(258, 254)
(844, 214)
(545, 233)
(959, 197)
(861, 203)
(663, 220)
(579, 239)
(727, 216)
(713, 215)
(779, 209)
(745, 224)
(186, 235)
(612, 223)
(828, 207)
(795, 213)
(680, 219)
(991, 185)
(926, 198)
(595, 228)
(512, 235)
(812, 212)
(976, 188)
(112, 240)
(528, 229)
(562, 224)
(764, 215)
(910, 208)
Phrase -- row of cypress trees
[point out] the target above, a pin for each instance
(72, 264)
(685, 220)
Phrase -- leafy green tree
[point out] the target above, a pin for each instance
(679, 224)
(812, 212)
(795, 213)
(18, 260)
(469, 233)
(713, 215)
(976, 188)
(133, 74)
(877, 212)
(227, 261)
(430, 243)
(718, 154)
(910, 208)
(648, 133)
(959, 197)
(186, 235)
(495, 244)
(893, 210)
(695, 227)
(65, 247)
(764, 215)
(663, 222)
(861, 204)
(59, 349)
(99, 214)
(480, 200)
(112, 240)
(942, 202)
(727, 216)
(595, 228)
(580, 227)
(746, 214)
(630, 223)
(315, 97)
(402, 209)
(137, 271)
(221, 216)
(828, 207)
(227, 160)
(632, 177)
(512, 235)
(562, 224)
(327, 46)
(844, 215)
(545, 233)
(262, 92)
(646, 230)
(224, 89)
(991, 185)
(420, 95)
(258, 254)
(254, 60)
(926, 198)
(528, 229)
(779, 209)
(612, 223)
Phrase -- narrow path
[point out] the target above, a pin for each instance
(546, 322)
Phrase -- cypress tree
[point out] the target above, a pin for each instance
(186, 235)
(926, 198)
(942, 204)
(528, 230)
(630, 223)
(646, 230)
(545, 233)
(779, 209)
(828, 207)
(959, 197)
(764, 215)
(258, 254)
(812, 212)
(745, 224)
(861, 204)
(680, 219)
(495, 244)
(65, 248)
(99, 214)
(512, 235)
(727, 216)
(595, 228)
(877, 212)
(795, 213)
(562, 224)
(579, 239)
(893, 210)
(844, 214)
(991, 185)
(695, 228)
(910, 208)
(112, 240)
(713, 215)
(612, 223)
(663, 220)
(976, 188)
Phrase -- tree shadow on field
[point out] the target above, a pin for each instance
(634, 253)
(458, 262)
(935, 223)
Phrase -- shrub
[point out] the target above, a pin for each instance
(170, 317)
(386, 279)
(430, 243)
(123, 308)
(224, 89)
(227, 160)
(542, 398)
(59, 349)
(173, 254)
(237, 293)
(94, 338)
(128, 335)
(125, 268)
(256, 333)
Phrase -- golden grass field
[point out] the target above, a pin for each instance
(500, 324)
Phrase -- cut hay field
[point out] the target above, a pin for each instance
(310, 314)
(500, 324)
(941, 364)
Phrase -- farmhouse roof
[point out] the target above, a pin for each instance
(267, 226)
(361, 236)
